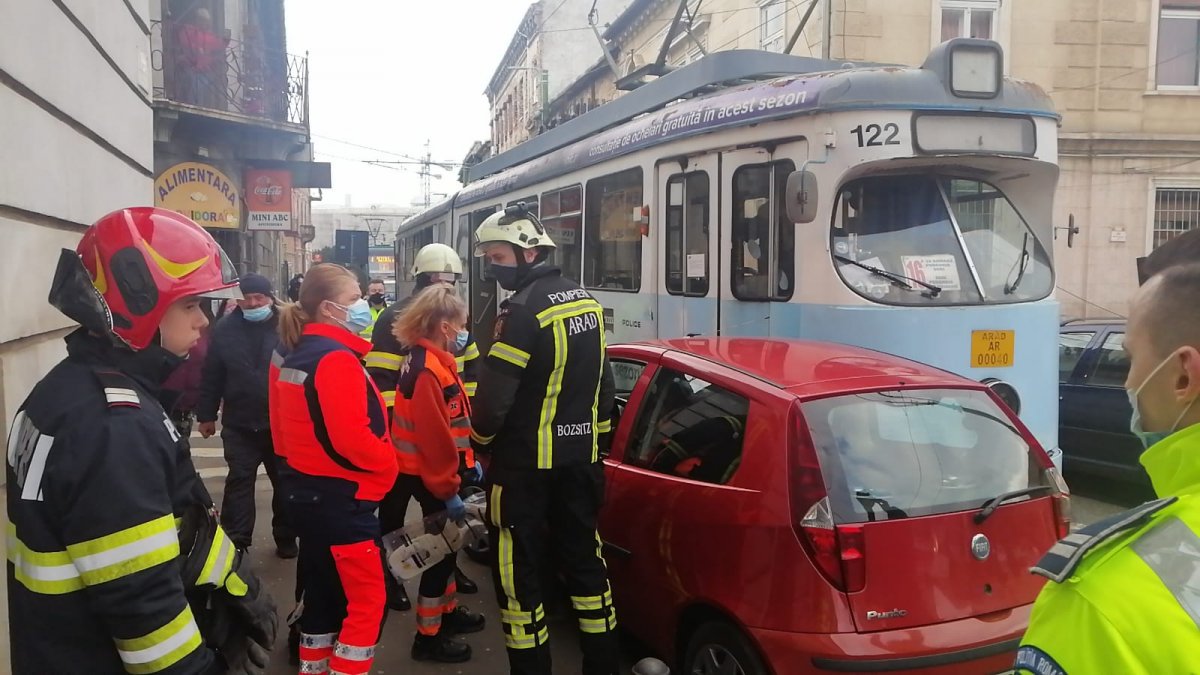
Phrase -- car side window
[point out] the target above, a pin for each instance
(1071, 347)
(689, 428)
(1113, 364)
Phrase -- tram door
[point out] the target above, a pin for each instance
(688, 242)
(483, 292)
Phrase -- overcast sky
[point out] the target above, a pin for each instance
(391, 74)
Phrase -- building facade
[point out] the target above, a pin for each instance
(380, 222)
(77, 143)
(232, 147)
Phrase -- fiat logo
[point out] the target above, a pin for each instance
(981, 548)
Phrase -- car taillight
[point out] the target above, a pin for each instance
(839, 551)
(1062, 502)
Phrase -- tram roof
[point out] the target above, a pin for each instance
(791, 85)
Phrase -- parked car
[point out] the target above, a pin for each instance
(791, 507)
(1093, 408)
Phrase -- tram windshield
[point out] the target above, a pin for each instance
(936, 240)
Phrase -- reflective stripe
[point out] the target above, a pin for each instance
(462, 442)
(493, 510)
(594, 626)
(407, 447)
(460, 423)
(219, 562)
(587, 602)
(430, 621)
(568, 310)
(1172, 550)
(318, 641)
(550, 403)
(32, 489)
(472, 352)
(604, 426)
(482, 440)
(314, 667)
(120, 395)
(50, 573)
(403, 423)
(276, 359)
(507, 352)
(351, 653)
(389, 398)
(162, 648)
(383, 360)
(518, 617)
(292, 376)
(527, 641)
(125, 552)
(470, 388)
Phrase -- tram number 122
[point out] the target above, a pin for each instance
(869, 135)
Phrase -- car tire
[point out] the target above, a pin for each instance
(717, 648)
(480, 551)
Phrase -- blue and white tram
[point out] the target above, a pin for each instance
(901, 209)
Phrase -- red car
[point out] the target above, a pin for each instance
(791, 507)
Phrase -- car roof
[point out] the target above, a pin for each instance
(809, 368)
(1108, 321)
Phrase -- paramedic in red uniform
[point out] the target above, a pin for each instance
(339, 463)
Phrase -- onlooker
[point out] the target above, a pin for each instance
(293, 291)
(199, 55)
(236, 373)
(377, 300)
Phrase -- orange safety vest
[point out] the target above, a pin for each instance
(458, 404)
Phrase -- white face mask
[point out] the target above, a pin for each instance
(1149, 438)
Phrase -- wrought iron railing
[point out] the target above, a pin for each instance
(204, 69)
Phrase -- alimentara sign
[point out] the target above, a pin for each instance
(200, 192)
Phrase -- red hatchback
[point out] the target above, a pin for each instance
(791, 507)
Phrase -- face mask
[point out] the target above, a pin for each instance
(378, 299)
(506, 276)
(257, 314)
(358, 316)
(460, 340)
(1149, 438)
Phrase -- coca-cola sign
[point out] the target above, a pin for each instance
(269, 199)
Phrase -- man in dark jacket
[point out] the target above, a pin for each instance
(235, 372)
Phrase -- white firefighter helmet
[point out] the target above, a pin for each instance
(514, 225)
(435, 259)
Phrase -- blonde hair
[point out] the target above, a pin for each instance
(322, 282)
(426, 312)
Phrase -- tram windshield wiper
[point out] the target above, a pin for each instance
(1022, 265)
(989, 507)
(898, 280)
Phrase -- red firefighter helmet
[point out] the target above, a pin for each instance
(131, 265)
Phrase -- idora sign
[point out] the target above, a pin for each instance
(201, 193)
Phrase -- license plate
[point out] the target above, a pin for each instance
(992, 348)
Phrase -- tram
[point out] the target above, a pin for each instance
(903, 209)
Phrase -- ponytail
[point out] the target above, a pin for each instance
(323, 282)
(291, 324)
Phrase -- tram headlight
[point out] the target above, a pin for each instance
(975, 69)
(1006, 392)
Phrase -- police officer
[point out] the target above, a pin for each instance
(545, 397)
(1123, 596)
(103, 498)
(434, 264)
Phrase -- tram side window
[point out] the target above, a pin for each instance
(562, 214)
(613, 238)
(463, 246)
(687, 234)
(412, 245)
(764, 240)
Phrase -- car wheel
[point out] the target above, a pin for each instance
(479, 550)
(720, 649)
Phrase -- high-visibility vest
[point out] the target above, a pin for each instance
(458, 404)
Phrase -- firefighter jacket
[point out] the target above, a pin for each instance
(375, 313)
(546, 388)
(330, 418)
(431, 423)
(99, 481)
(386, 355)
(1123, 596)
(235, 372)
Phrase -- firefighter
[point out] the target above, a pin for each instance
(103, 498)
(431, 428)
(434, 264)
(545, 397)
(377, 301)
(338, 464)
(1123, 594)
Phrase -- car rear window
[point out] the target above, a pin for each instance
(916, 452)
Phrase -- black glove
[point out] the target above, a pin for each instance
(247, 625)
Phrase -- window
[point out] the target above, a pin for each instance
(969, 18)
(563, 218)
(1113, 364)
(1071, 347)
(770, 25)
(625, 375)
(763, 238)
(689, 428)
(900, 240)
(1177, 63)
(466, 253)
(909, 453)
(412, 245)
(1176, 210)
(687, 234)
(613, 236)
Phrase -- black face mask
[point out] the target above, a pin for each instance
(377, 299)
(508, 277)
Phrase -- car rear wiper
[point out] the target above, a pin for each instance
(898, 280)
(1022, 264)
(989, 507)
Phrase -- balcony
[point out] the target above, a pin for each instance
(232, 78)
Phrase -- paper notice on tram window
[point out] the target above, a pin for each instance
(939, 270)
(697, 267)
(866, 282)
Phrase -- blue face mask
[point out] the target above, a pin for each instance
(460, 340)
(258, 314)
(358, 316)
(1150, 438)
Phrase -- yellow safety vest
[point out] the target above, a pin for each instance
(1124, 593)
(370, 330)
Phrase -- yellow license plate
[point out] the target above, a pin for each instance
(992, 348)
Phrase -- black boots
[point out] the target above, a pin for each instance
(397, 597)
(286, 548)
(464, 583)
(441, 648)
(462, 621)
